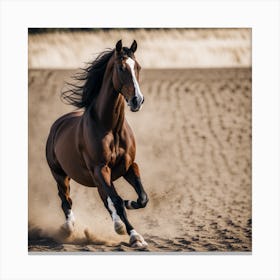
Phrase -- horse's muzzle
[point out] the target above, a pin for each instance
(135, 103)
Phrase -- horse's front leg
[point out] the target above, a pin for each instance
(133, 178)
(115, 205)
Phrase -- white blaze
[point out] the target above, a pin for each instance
(130, 62)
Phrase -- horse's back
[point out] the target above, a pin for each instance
(61, 124)
(67, 118)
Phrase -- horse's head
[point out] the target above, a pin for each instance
(126, 75)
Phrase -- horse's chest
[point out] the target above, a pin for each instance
(119, 162)
(117, 156)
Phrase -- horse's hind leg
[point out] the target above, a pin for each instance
(63, 185)
(133, 178)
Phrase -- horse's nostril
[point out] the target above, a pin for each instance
(134, 101)
(143, 100)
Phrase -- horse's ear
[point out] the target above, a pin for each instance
(119, 46)
(133, 47)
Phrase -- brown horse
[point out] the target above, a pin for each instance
(96, 146)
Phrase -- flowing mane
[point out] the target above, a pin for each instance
(91, 77)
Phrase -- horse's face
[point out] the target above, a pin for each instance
(126, 75)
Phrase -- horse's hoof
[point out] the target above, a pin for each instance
(119, 227)
(137, 241)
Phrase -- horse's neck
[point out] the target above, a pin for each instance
(109, 107)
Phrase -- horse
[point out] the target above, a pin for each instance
(94, 145)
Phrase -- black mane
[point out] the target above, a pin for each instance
(91, 77)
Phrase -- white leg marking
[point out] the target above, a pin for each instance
(129, 206)
(118, 224)
(70, 221)
(133, 232)
(111, 206)
(70, 217)
(130, 62)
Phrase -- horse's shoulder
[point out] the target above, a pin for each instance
(127, 130)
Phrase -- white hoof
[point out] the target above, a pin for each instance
(136, 240)
(119, 227)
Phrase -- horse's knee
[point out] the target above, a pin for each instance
(142, 201)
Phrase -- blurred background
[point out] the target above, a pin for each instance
(193, 139)
(158, 48)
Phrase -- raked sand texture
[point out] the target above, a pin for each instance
(194, 150)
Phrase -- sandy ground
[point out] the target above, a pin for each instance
(194, 150)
